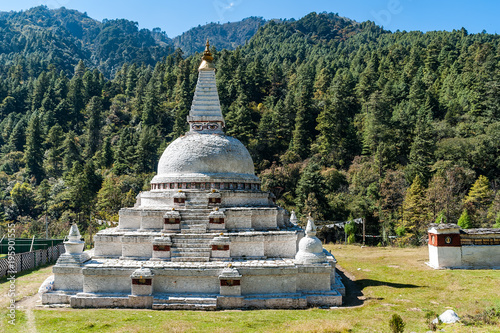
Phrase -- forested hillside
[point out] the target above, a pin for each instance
(40, 37)
(343, 119)
(225, 36)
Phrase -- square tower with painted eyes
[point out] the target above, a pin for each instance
(204, 237)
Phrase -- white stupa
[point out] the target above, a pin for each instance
(204, 237)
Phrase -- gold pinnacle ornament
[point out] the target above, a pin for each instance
(207, 56)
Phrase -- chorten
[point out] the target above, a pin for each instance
(205, 236)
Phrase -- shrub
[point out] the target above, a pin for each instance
(464, 220)
(350, 230)
(441, 218)
(396, 324)
(497, 221)
(429, 317)
(487, 317)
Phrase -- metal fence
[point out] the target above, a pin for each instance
(30, 260)
(22, 245)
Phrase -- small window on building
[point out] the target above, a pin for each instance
(161, 247)
(142, 282)
(229, 283)
(220, 247)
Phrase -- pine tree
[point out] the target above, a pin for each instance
(54, 162)
(76, 96)
(131, 80)
(17, 139)
(465, 221)
(106, 154)
(239, 120)
(71, 151)
(33, 153)
(480, 193)
(7, 107)
(146, 150)
(125, 152)
(41, 86)
(42, 196)
(151, 104)
(306, 114)
(423, 146)
(478, 200)
(310, 191)
(109, 197)
(337, 142)
(414, 220)
(183, 99)
(257, 83)
(368, 79)
(93, 126)
(91, 85)
(83, 184)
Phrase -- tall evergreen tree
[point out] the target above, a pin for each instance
(125, 152)
(146, 150)
(423, 146)
(413, 224)
(106, 154)
(33, 154)
(93, 126)
(53, 164)
(337, 141)
(17, 138)
(239, 120)
(305, 118)
(310, 191)
(71, 151)
(151, 104)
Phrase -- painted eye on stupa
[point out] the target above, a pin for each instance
(197, 127)
(212, 126)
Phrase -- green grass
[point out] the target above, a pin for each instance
(392, 280)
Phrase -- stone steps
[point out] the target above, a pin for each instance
(199, 249)
(188, 259)
(195, 222)
(194, 230)
(191, 245)
(194, 237)
(191, 242)
(191, 253)
(185, 303)
(197, 216)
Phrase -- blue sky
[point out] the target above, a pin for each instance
(175, 17)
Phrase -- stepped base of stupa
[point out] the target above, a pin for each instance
(262, 283)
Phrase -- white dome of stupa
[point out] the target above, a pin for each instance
(206, 157)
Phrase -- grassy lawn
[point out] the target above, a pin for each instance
(392, 280)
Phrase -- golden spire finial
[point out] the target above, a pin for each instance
(207, 56)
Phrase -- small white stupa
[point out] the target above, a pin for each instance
(310, 247)
(204, 237)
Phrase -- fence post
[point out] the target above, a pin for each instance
(364, 235)
(32, 241)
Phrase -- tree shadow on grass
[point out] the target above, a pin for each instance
(363, 283)
(354, 288)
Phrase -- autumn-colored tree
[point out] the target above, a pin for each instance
(415, 216)
(478, 200)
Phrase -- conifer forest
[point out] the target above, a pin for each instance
(343, 119)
